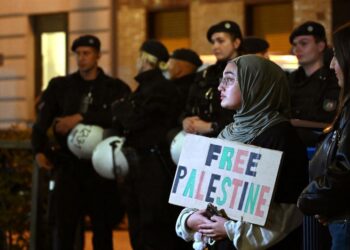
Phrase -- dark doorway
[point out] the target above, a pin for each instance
(272, 21)
(172, 27)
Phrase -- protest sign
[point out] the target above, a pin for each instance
(236, 177)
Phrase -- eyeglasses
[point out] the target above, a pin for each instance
(227, 81)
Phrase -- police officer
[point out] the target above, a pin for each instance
(314, 88)
(82, 97)
(255, 45)
(182, 67)
(203, 113)
(144, 119)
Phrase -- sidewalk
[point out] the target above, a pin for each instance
(120, 240)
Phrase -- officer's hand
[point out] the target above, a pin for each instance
(43, 162)
(64, 124)
(322, 219)
(187, 125)
(201, 127)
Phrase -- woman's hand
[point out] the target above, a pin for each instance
(195, 125)
(196, 219)
(215, 229)
(201, 127)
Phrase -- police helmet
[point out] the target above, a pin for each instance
(176, 146)
(108, 158)
(83, 139)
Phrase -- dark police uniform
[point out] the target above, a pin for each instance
(204, 99)
(313, 98)
(145, 118)
(184, 83)
(78, 189)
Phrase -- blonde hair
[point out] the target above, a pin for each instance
(154, 61)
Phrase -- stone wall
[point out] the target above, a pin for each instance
(319, 11)
(17, 74)
(203, 15)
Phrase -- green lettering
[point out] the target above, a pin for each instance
(252, 198)
(226, 158)
(189, 189)
(225, 182)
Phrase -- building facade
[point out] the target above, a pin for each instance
(122, 26)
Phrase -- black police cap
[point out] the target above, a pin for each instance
(309, 28)
(253, 45)
(187, 55)
(87, 40)
(225, 26)
(156, 49)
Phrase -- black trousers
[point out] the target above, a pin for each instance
(151, 218)
(79, 191)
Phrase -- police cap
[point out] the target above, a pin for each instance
(225, 26)
(187, 55)
(253, 45)
(87, 40)
(309, 28)
(156, 49)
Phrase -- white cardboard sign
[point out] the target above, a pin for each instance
(236, 177)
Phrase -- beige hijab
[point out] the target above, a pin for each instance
(265, 99)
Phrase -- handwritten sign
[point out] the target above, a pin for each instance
(236, 177)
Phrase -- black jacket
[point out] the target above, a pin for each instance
(146, 115)
(314, 98)
(67, 96)
(204, 98)
(183, 85)
(328, 193)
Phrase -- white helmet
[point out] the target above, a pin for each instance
(176, 146)
(109, 160)
(83, 139)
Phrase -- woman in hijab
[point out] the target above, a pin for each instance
(257, 90)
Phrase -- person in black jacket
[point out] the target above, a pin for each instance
(182, 67)
(82, 97)
(144, 118)
(312, 110)
(257, 89)
(203, 114)
(328, 194)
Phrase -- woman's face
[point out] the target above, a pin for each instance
(223, 47)
(230, 92)
(338, 71)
